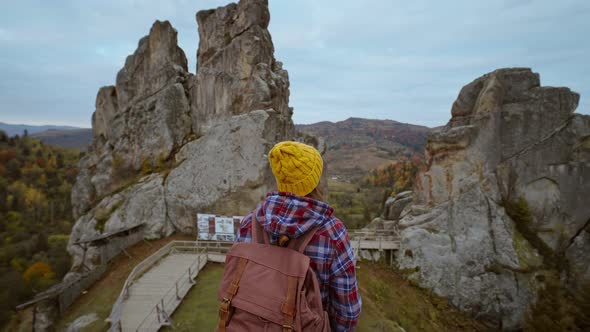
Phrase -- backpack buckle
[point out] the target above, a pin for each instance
(287, 328)
(225, 303)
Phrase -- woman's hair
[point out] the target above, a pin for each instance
(316, 194)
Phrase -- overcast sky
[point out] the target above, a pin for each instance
(383, 59)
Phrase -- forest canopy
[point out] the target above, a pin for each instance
(35, 217)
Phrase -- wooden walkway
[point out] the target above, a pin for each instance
(152, 287)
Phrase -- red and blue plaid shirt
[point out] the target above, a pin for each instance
(331, 255)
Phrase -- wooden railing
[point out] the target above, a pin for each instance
(159, 315)
(371, 234)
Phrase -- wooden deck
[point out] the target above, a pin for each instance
(162, 286)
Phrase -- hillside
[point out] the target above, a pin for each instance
(365, 162)
(100, 297)
(67, 138)
(356, 146)
(18, 129)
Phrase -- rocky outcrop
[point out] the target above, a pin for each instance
(394, 209)
(225, 87)
(81, 322)
(168, 144)
(501, 207)
(140, 122)
(394, 206)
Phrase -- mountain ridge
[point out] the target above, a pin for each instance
(357, 145)
(67, 138)
(17, 129)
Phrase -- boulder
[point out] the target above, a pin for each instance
(395, 205)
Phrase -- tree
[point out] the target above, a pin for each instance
(3, 195)
(13, 169)
(36, 201)
(42, 242)
(58, 256)
(12, 291)
(7, 155)
(18, 190)
(39, 275)
(60, 161)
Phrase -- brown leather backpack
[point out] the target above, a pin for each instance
(270, 287)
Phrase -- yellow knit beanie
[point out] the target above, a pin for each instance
(297, 167)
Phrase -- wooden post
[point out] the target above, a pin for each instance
(158, 313)
(390, 257)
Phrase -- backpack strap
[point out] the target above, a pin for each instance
(301, 242)
(288, 307)
(225, 306)
(258, 233)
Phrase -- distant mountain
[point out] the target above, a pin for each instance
(18, 129)
(71, 138)
(357, 145)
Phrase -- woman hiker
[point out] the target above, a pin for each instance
(298, 207)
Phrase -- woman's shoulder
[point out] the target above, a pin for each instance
(334, 229)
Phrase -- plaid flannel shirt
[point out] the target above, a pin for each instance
(330, 251)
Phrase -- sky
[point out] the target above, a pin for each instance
(379, 59)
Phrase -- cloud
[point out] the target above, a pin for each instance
(396, 59)
(5, 35)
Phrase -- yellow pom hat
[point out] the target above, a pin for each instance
(297, 167)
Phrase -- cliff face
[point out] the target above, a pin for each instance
(502, 208)
(168, 144)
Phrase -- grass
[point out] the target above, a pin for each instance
(21, 322)
(519, 212)
(557, 309)
(101, 296)
(354, 204)
(102, 215)
(389, 301)
(198, 311)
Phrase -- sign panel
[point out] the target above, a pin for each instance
(217, 228)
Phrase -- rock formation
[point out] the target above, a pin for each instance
(502, 208)
(168, 144)
(394, 209)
